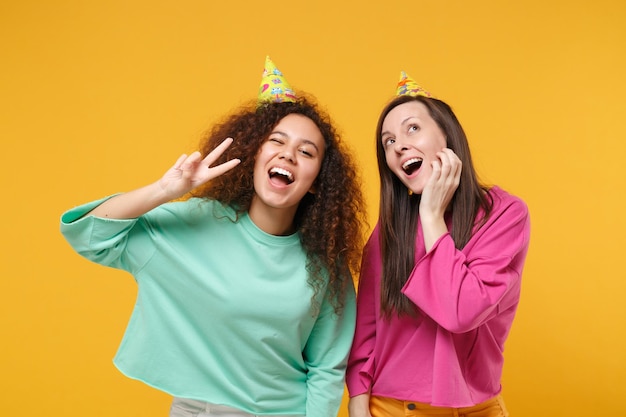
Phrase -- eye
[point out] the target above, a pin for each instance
(413, 128)
(306, 152)
(388, 141)
(277, 140)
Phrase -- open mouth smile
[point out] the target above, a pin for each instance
(412, 165)
(282, 175)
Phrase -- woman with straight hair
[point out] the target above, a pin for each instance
(440, 275)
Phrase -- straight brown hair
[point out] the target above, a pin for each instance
(398, 215)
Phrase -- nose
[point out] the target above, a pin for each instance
(400, 146)
(288, 155)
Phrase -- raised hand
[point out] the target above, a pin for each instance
(437, 194)
(190, 171)
(441, 185)
(187, 173)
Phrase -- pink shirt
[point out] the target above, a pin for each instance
(451, 354)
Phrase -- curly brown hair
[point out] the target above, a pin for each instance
(329, 222)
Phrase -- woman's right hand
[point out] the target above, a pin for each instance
(359, 406)
(186, 174)
(190, 171)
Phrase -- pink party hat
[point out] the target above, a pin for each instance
(274, 88)
(408, 86)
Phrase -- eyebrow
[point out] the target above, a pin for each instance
(302, 140)
(402, 123)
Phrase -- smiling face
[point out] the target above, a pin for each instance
(410, 139)
(286, 167)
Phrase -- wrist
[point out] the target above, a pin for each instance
(160, 194)
(431, 218)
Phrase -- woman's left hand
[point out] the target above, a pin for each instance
(441, 185)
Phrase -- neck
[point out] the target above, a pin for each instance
(274, 221)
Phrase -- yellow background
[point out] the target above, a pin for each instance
(100, 97)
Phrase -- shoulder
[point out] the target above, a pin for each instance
(373, 242)
(371, 251)
(504, 201)
(191, 210)
(509, 214)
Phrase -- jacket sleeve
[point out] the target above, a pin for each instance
(360, 371)
(326, 354)
(462, 289)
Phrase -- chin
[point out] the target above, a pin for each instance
(414, 190)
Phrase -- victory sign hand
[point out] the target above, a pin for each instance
(191, 171)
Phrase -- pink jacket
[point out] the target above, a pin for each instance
(451, 354)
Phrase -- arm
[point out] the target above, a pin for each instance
(359, 406)
(325, 355)
(187, 173)
(99, 231)
(361, 362)
(461, 290)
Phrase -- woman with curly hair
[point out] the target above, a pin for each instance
(243, 254)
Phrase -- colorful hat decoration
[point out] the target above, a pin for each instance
(274, 88)
(408, 86)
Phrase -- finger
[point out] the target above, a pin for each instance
(217, 152)
(179, 161)
(190, 164)
(445, 163)
(455, 163)
(437, 166)
(458, 169)
(434, 178)
(452, 157)
(451, 162)
(220, 169)
(190, 160)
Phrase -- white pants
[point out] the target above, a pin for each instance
(183, 407)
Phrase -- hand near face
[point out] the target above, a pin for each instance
(440, 188)
(191, 171)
